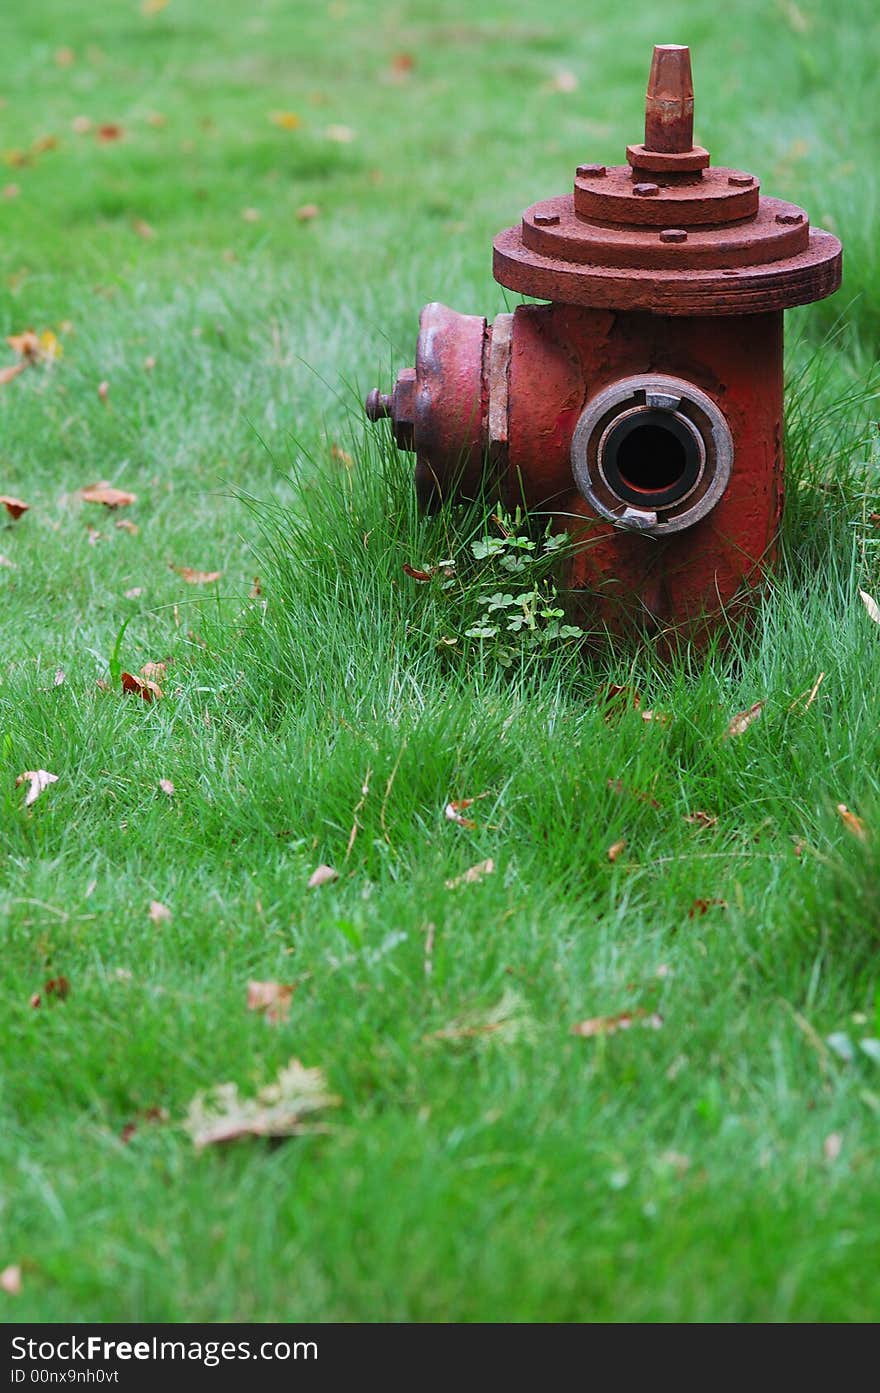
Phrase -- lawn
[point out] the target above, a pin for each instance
(478, 1161)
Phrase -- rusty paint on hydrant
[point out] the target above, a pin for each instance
(641, 407)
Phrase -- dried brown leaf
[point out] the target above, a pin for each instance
(616, 848)
(454, 810)
(322, 875)
(472, 875)
(701, 907)
(743, 720)
(159, 913)
(308, 212)
(13, 506)
(7, 374)
(167, 787)
(109, 131)
(143, 687)
(126, 525)
(272, 998)
(108, 494)
(853, 824)
(701, 818)
(279, 1109)
(154, 671)
(416, 574)
(194, 577)
(38, 779)
(610, 1025)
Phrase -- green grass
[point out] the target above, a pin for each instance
(512, 1173)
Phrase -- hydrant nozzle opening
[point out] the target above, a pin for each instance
(651, 458)
(652, 454)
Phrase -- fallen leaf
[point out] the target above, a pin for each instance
(103, 394)
(322, 875)
(507, 1020)
(871, 606)
(272, 998)
(140, 686)
(193, 577)
(155, 671)
(471, 876)
(661, 717)
(135, 592)
(109, 131)
(454, 810)
(94, 535)
(108, 494)
(149, 364)
(26, 345)
(402, 63)
(612, 694)
(279, 1109)
(159, 913)
(700, 907)
(563, 82)
(853, 824)
(415, 574)
(57, 989)
(342, 135)
(610, 1025)
(743, 720)
(832, 1146)
(143, 229)
(14, 506)
(39, 779)
(60, 677)
(4, 561)
(10, 1280)
(150, 1115)
(308, 212)
(701, 818)
(616, 848)
(167, 787)
(7, 374)
(81, 125)
(287, 120)
(126, 525)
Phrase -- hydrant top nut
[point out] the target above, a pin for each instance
(608, 245)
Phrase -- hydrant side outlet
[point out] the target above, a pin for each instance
(642, 406)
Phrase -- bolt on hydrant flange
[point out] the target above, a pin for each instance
(642, 406)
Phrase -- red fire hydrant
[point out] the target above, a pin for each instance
(641, 408)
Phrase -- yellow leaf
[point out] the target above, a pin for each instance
(287, 120)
